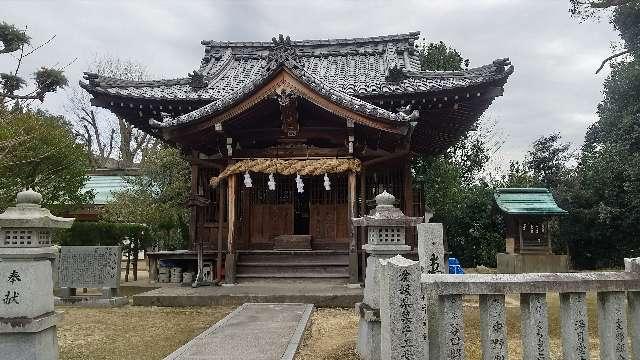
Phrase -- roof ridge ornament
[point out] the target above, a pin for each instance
(197, 80)
(282, 53)
(395, 75)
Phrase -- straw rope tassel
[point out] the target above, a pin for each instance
(289, 167)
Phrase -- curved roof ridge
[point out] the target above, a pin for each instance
(335, 95)
(497, 66)
(109, 81)
(392, 37)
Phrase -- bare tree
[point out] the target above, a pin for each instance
(103, 134)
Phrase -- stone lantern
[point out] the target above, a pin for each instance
(27, 316)
(386, 238)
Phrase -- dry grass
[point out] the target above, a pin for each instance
(131, 332)
(331, 336)
(333, 332)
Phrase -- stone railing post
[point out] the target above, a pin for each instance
(402, 317)
(633, 301)
(574, 326)
(612, 325)
(535, 326)
(451, 314)
(27, 316)
(493, 327)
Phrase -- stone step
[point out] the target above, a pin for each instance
(316, 262)
(292, 275)
(303, 258)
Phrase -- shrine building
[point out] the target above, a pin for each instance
(289, 140)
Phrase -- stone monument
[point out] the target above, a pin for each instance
(386, 225)
(27, 316)
(90, 267)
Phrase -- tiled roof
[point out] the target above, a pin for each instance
(527, 201)
(357, 67)
(104, 186)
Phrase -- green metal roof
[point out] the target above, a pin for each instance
(104, 186)
(527, 201)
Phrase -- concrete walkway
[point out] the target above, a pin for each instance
(252, 331)
(322, 294)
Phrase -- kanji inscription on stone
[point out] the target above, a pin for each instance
(89, 266)
(431, 248)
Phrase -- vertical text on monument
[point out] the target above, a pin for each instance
(431, 248)
(89, 266)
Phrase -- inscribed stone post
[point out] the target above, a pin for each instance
(535, 326)
(451, 314)
(574, 326)
(401, 314)
(612, 325)
(493, 327)
(431, 248)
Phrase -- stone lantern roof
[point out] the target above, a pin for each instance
(28, 213)
(386, 214)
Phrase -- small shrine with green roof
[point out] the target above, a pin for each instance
(527, 213)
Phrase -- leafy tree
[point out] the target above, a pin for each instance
(547, 160)
(440, 57)
(605, 194)
(103, 134)
(46, 79)
(38, 150)
(157, 198)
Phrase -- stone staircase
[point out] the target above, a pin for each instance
(292, 264)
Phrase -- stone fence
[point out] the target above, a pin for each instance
(422, 315)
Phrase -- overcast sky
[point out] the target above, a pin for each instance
(553, 88)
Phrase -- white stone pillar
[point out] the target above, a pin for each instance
(493, 327)
(451, 314)
(612, 325)
(574, 326)
(535, 326)
(431, 248)
(402, 319)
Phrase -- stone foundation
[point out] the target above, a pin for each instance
(531, 263)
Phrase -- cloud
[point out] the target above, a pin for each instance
(553, 89)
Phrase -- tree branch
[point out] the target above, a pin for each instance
(40, 46)
(605, 61)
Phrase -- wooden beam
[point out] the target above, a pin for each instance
(353, 251)
(230, 264)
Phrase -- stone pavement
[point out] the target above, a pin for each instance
(321, 293)
(252, 331)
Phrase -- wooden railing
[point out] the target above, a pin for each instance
(422, 315)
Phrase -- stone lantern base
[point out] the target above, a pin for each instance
(33, 339)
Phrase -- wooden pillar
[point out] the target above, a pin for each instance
(408, 203)
(363, 230)
(220, 222)
(230, 264)
(408, 189)
(193, 220)
(353, 246)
